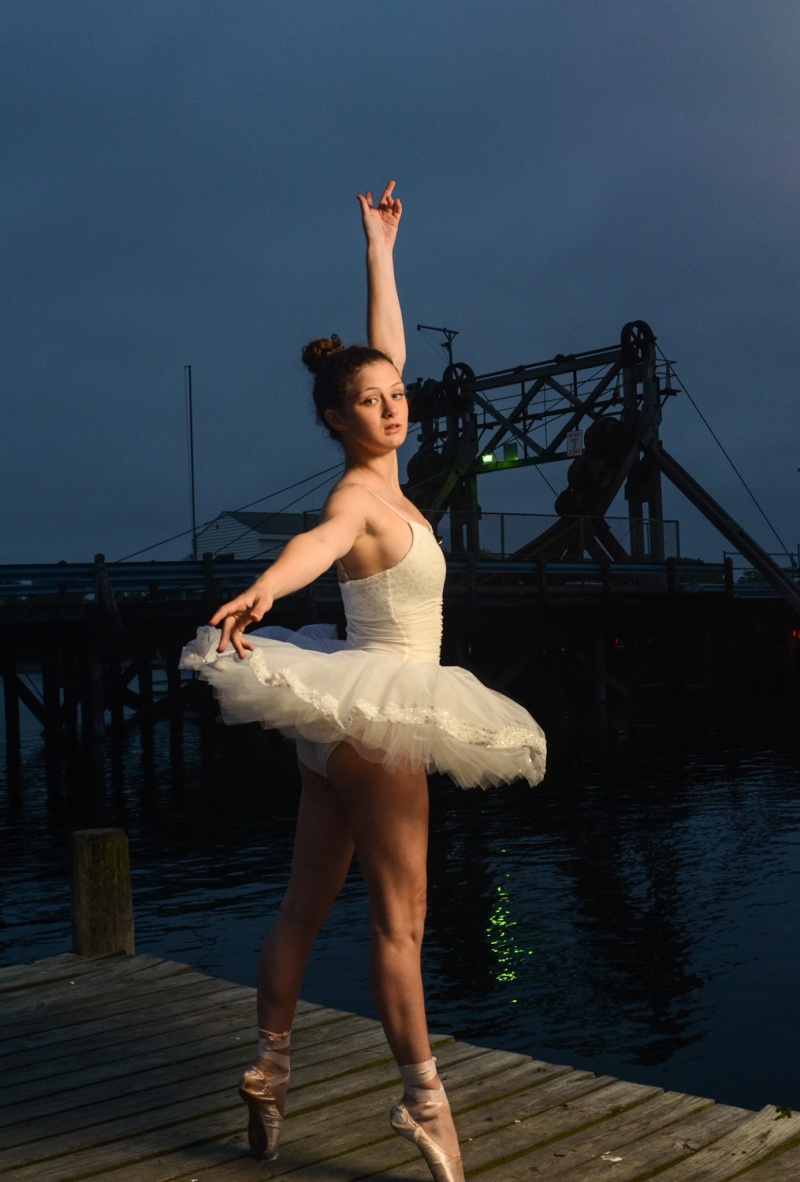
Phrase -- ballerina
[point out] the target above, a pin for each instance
(370, 717)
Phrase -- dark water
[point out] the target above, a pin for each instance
(636, 914)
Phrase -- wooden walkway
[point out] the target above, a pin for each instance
(124, 1069)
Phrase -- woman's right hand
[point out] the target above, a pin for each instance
(381, 221)
(235, 615)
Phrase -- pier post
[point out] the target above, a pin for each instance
(672, 576)
(11, 707)
(51, 688)
(599, 664)
(210, 584)
(93, 704)
(472, 582)
(100, 891)
(174, 701)
(728, 574)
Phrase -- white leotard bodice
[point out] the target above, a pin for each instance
(399, 611)
(383, 689)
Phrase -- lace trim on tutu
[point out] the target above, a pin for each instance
(397, 713)
(433, 716)
(514, 742)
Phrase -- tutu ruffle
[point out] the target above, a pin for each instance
(311, 685)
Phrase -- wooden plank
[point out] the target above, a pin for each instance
(512, 1074)
(759, 1135)
(629, 1154)
(117, 1028)
(93, 1107)
(317, 1131)
(215, 1072)
(32, 1014)
(201, 1130)
(602, 1138)
(365, 1151)
(219, 1067)
(126, 1069)
(127, 1011)
(322, 1083)
(187, 1104)
(48, 973)
(206, 1037)
(519, 1138)
(103, 977)
(785, 1167)
(196, 1011)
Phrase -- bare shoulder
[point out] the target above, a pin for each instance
(357, 500)
(346, 500)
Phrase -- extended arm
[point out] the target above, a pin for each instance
(303, 559)
(384, 316)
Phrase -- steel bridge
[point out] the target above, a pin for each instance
(600, 410)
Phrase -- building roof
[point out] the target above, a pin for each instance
(272, 523)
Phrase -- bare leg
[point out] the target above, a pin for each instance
(388, 814)
(323, 851)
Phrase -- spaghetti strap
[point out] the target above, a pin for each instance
(408, 520)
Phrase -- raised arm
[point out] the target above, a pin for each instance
(384, 317)
(303, 559)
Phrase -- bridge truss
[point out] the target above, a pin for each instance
(600, 410)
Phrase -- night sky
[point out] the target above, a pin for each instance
(178, 187)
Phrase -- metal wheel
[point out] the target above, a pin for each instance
(637, 339)
(456, 379)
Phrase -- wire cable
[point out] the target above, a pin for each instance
(673, 376)
(271, 517)
(287, 488)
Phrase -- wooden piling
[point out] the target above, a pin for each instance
(599, 664)
(100, 889)
(93, 702)
(51, 688)
(11, 706)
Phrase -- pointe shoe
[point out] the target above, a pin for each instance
(263, 1093)
(445, 1167)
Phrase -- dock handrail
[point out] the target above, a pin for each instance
(190, 579)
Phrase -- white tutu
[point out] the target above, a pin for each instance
(311, 685)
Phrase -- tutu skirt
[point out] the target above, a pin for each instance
(311, 685)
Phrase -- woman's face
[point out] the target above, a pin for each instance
(375, 411)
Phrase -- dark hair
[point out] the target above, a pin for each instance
(334, 367)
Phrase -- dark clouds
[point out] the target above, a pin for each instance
(179, 188)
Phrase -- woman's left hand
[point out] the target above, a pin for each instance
(381, 221)
(234, 616)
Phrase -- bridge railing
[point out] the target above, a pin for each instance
(750, 582)
(70, 581)
(475, 574)
(504, 535)
(214, 579)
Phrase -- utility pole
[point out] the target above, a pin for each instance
(187, 375)
(449, 335)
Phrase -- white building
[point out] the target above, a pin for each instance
(236, 534)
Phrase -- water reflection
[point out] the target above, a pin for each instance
(634, 914)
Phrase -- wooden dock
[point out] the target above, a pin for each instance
(124, 1069)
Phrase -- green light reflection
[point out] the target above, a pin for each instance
(502, 937)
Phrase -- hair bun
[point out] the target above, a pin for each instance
(316, 353)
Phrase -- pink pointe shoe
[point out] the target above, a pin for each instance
(410, 1121)
(263, 1088)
